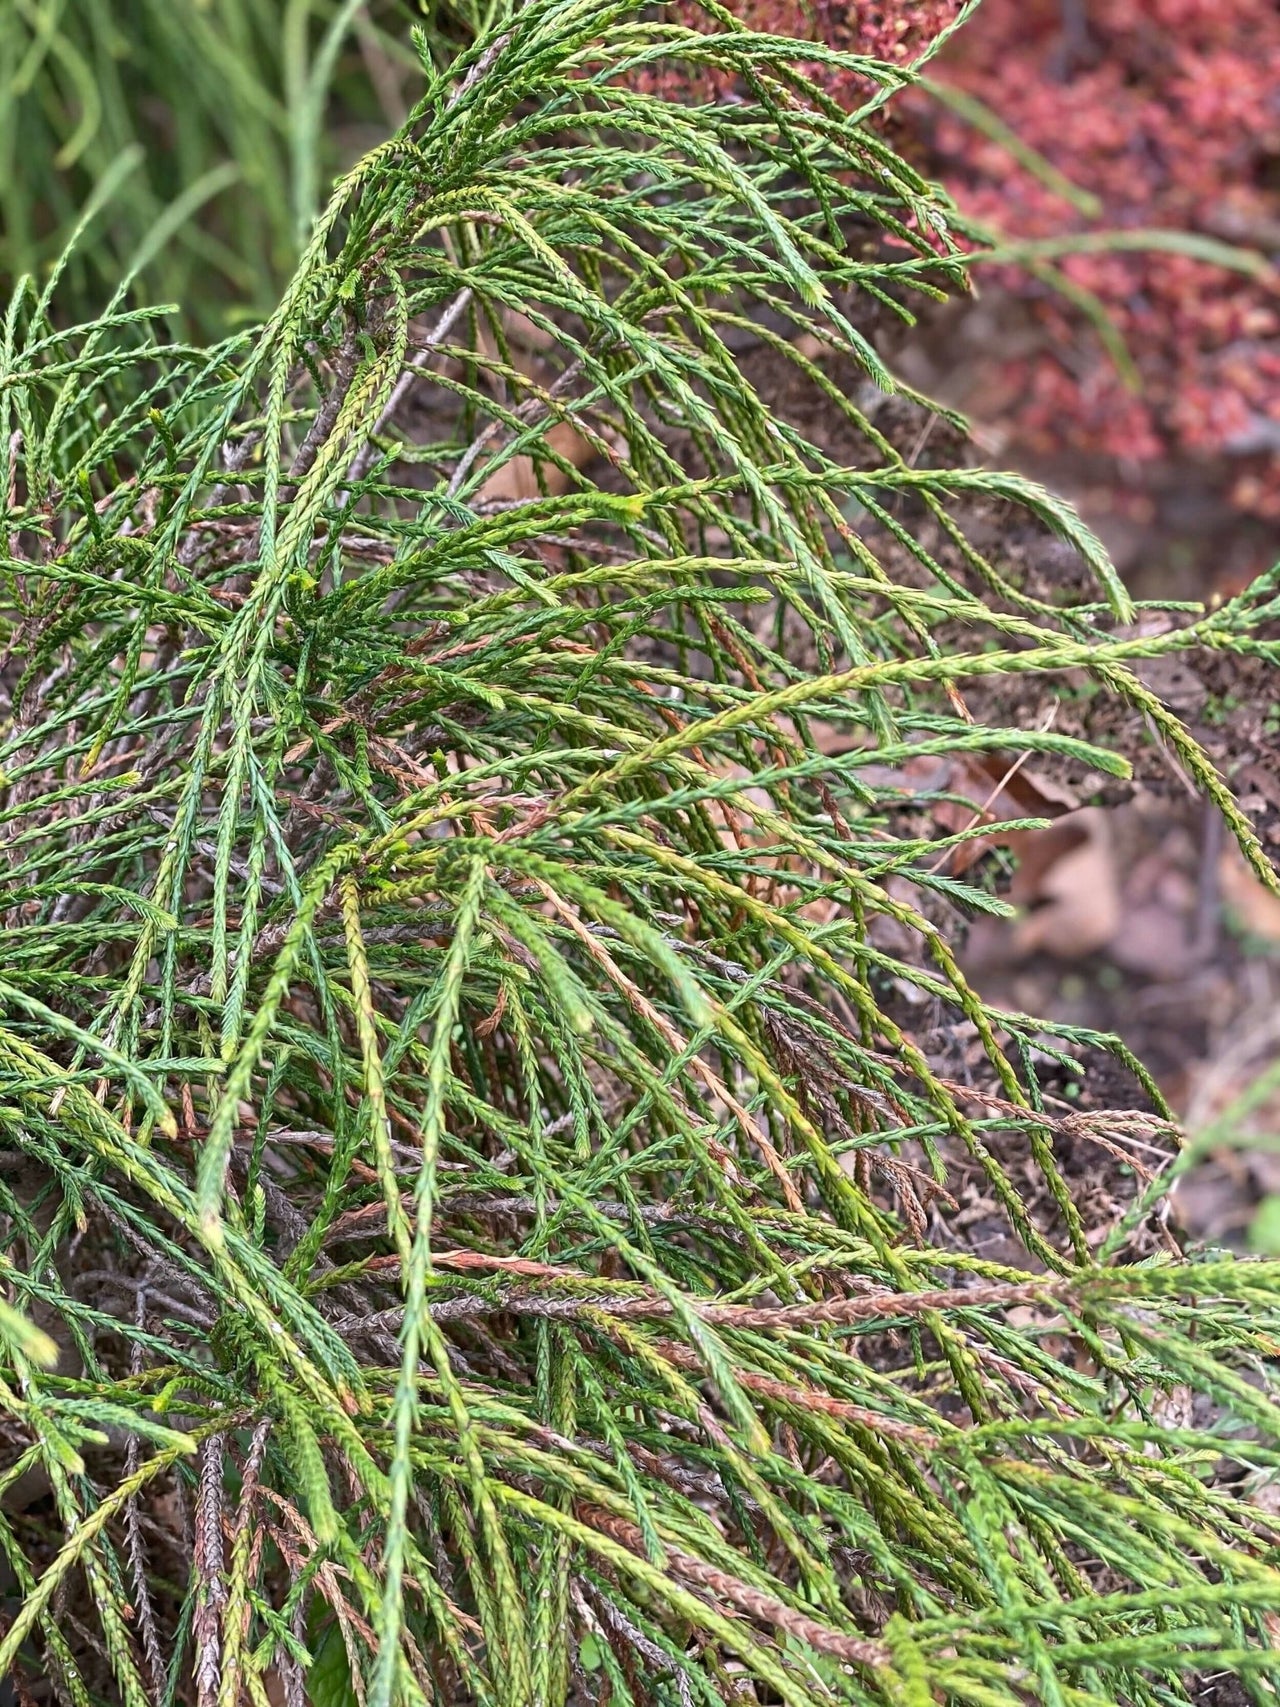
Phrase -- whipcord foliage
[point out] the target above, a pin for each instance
(465, 1149)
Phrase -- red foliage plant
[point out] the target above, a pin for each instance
(894, 30)
(1169, 111)
(890, 30)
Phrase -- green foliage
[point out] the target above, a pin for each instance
(470, 1140)
(207, 124)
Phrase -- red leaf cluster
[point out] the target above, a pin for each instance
(1169, 111)
(891, 30)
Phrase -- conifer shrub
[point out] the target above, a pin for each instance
(493, 1119)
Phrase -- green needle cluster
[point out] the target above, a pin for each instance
(471, 1144)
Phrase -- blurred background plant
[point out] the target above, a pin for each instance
(1168, 111)
(216, 126)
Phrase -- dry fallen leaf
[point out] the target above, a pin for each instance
(992, 788)
(518, 478)
(1256, 909)
(1068, 882)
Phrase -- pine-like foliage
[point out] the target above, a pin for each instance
(462, 1133)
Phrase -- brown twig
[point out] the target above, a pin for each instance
(731, 1591)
